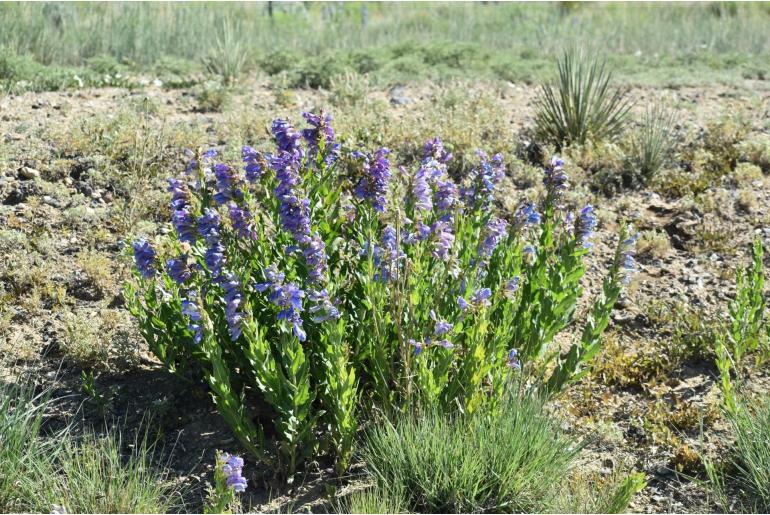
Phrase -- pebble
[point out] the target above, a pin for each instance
(25, 172)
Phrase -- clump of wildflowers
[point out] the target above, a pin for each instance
(263, 290)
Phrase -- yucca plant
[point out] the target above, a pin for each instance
(228, 56)
(652, 143)
(582, 105)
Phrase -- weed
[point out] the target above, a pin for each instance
(211, 97)
(582, 105)
(85, 342)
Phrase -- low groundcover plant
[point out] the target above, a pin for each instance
(324, 282)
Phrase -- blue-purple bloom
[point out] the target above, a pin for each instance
(191, 310)
(434, 149)
(178, 269)
(233, 300)
(446, 195)
(585, 225)
(442, 327)
(232, 468)
(316, 259)
(496, 231)
(374, 185)
(185, 225)
(285, 135)
(513, 359)
(627, 251)
(422, 191)
(180, 196)
(527, 215)
(215, 258)
(511, 287)
(287, 296)
(321, 308)
(442, 231)
(294, 210)
(242, 222)
(321, 130)
(485, 178)
(208, 225)
(253, 166)
(144, 255)
(555, 179)
(418, 346)
(481, 297)
(227, 184)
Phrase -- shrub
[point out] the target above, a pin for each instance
(333, 281)
(652, 143)
(581, 105)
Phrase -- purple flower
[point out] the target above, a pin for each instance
(294, 210)
(446, 195)
(287, 296)
(191, 310)
(529, 252)
(144, 255)
(178, 269)
(444, 239)
(422, 192)
(208, 225)
(463, 304)
(527, 215)
(484, 180)
(481, 297)
(513, 359)
(285, 135)
(418, 346)
(322, 308)
(227, 184)
(184, 224)
(316, 259)
(585, 225)
(321, 131)
(444, 343)
(233, 300)
(434, 149)
(390, 255)
(374, 184)
(179, 194)
(215, 258)
(442, 326)
(511, 287)
(232, 468)
(496, 231)
(253, 165)
(242, 222)
(555, 179)
(627, 251)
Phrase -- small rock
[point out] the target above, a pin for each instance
(398, 96)
(51, 201)
(25, 172)
(107, 197)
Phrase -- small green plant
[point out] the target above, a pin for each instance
(89, 388)
(651, 144)
(747, 332)
(581, 105)
(211, 97)
(228, 481)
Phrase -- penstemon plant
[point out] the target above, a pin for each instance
(323, 282)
